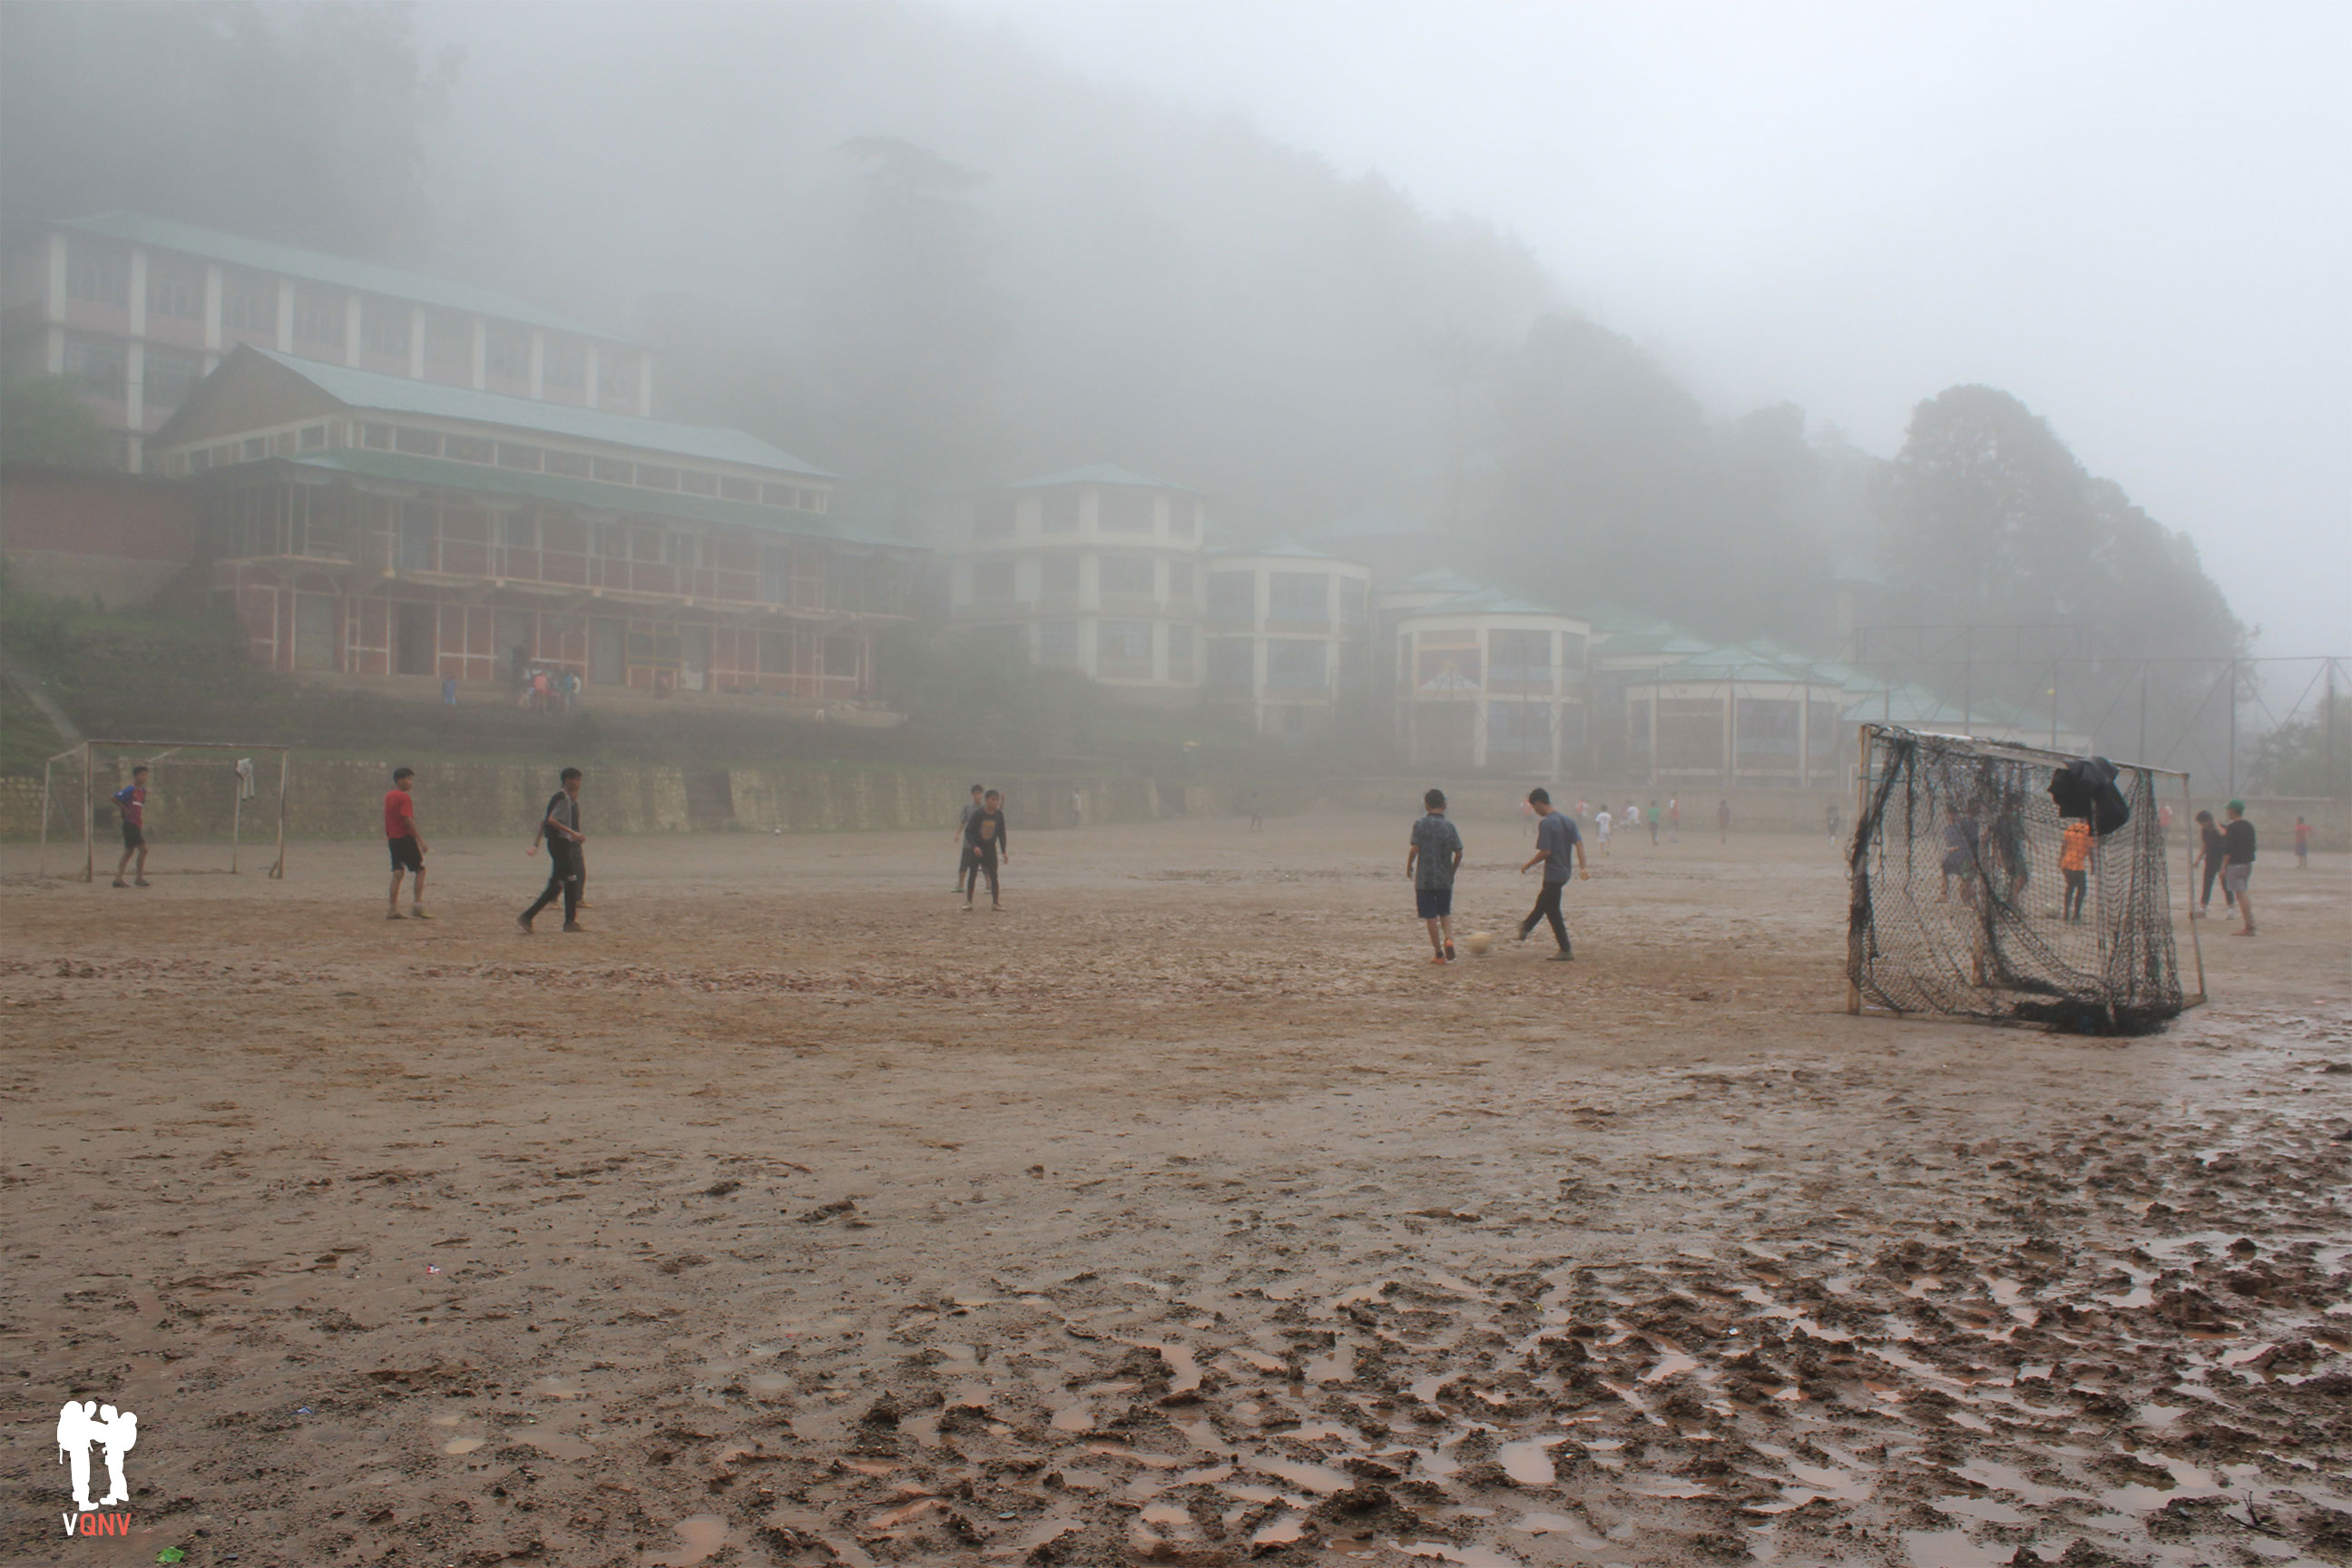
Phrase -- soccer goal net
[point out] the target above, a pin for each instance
(2011, 886)
(209, 806)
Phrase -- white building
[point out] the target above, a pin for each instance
(1486, 681)
(1095, 569)
(1288, 633)
(137, 309)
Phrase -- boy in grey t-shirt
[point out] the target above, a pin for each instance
(1431, 862)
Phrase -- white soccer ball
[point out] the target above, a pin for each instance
(1479, 942)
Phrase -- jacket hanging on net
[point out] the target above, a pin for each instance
(2086, 789)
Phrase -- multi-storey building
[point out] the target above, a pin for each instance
(1288, 635)
(381, 525)
(1096, 570)
(136, 310)
(1485, 681)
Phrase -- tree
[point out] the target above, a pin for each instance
(2294, 759)
(1990, 521)
(44, 420)
(302, 125)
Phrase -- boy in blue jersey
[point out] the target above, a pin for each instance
(1434, 855)
(1556, 837)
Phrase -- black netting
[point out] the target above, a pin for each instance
(1963, 906)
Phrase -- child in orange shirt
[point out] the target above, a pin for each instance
(2074, 865)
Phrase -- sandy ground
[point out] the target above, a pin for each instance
(1183, 1210)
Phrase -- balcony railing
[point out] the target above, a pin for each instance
(522, 565)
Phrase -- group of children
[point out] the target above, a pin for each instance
(1434, 855)
(559, 829)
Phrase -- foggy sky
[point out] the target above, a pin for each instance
(2135, 218)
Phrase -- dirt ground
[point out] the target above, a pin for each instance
(1183, 1210)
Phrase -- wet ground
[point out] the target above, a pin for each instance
(1181, 1211)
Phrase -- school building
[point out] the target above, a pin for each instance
(1485, 681)
(136, 310)
(1096, 570)
(372, 524)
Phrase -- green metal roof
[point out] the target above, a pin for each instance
(1486, 601)
(555, 490)
(1099, 474)
(366, 389)
(165, 233)
(1280, 550)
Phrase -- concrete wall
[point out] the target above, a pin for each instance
(343, 799)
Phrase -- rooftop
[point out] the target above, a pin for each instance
(1484, 602)
(399, 467)
(165, 234)
(1099, 474)
(365, 389)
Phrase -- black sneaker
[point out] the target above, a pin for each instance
(1562, 956)
(522, 924)
(1449, 952)
(573, 925)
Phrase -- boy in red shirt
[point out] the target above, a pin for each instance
(406, 843)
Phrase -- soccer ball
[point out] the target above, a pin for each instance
(1479, 942)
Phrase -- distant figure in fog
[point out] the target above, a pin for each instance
(971, 808)
(1722, 821)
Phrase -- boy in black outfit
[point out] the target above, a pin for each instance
(562, 825)
(983, 841)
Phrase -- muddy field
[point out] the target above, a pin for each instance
(1182, 1212)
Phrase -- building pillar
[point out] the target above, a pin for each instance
(645, 385)
(481, 353)
(538, 362)
(56, 288)
(286, 315)
(1731, 731)
(213, 287)
(53, 350)
(589, 384)
(138, 313)
(352, 330)
(1805, 738)
(1657, 713)
(416, 342)
(134, 396)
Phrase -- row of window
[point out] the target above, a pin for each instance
(101, 368)
(1299, 598)
(102, 275)
(994, 580)
(527, 459)
(1511, 654)
(1124, 647)
(1117, 511)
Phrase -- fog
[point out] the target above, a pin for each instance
(2136, 220)
(1676, 309)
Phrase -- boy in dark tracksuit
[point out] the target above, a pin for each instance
(562, 825)
(983, 841)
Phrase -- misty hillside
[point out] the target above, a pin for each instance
(901, 243)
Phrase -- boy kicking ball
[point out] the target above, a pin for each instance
(1434, 855)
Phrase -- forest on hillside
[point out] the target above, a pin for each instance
(900, 243)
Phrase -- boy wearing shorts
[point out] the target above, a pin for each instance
(130, 803)
(407, 845)
(1435, 854)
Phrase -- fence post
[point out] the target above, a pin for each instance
(2233, 726)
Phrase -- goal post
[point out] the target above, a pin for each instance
(1973, 897)
(209, 802)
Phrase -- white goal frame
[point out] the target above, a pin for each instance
(152, 752)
